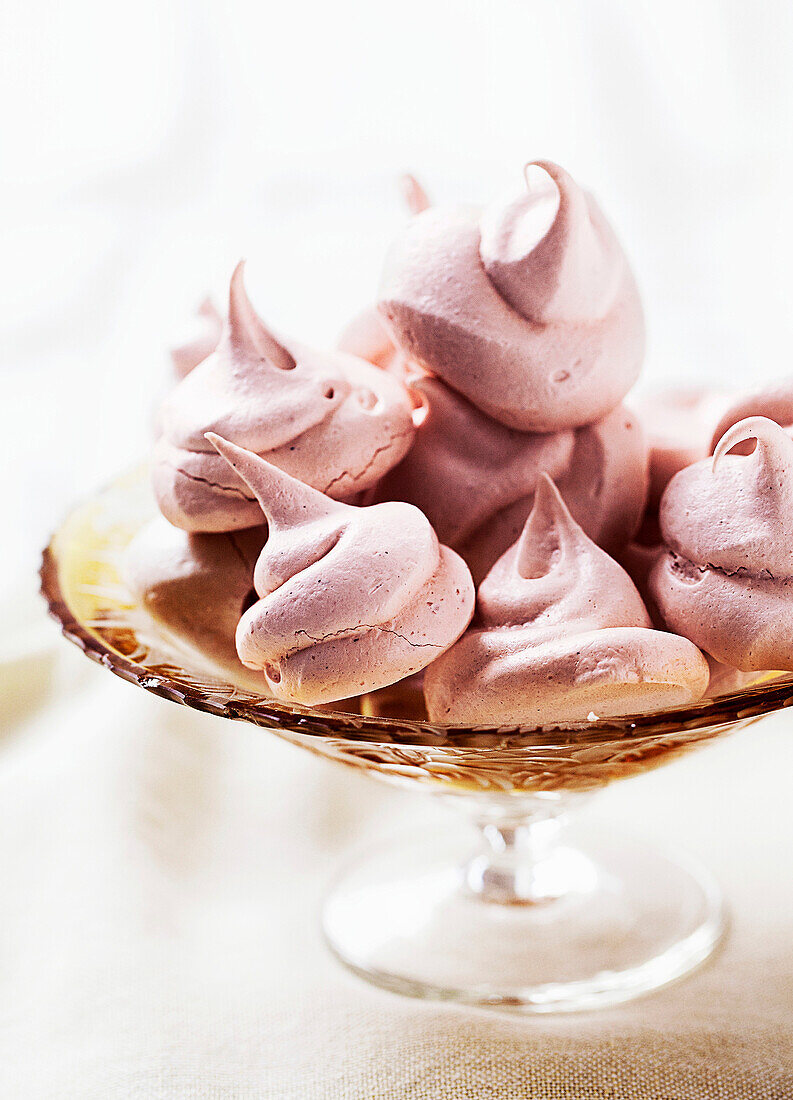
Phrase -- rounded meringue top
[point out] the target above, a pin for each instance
(735, 512)
(262, 391)
(557, 579)
(374, 555)
(332, 573)
(529, 308)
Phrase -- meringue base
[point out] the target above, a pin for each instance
(625, 670)
(383, 655)
(558, 928)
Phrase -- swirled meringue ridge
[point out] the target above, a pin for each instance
(726, 578)
(603, 484)
(334, 421)
(351, 599)
(638, 561)
(528, 309)
(464, 467)
(561, 634)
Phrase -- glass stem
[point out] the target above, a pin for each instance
(519, 859)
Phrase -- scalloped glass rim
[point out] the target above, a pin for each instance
(210, 690)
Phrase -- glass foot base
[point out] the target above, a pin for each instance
(588, 923)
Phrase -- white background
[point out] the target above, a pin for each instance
(147, 147)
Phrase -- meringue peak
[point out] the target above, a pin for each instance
(725, 575)
(332, 420)
(555, 578)
(548, 251)
(549, 529)
(414, 194)
(529, 309)
(734, 512)
(543, 177)
(246, 331)
(285, 501)
(350, 598)
(768, 434)
(556, 645)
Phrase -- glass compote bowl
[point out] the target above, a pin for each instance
(505, 906)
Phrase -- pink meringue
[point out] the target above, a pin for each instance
(639, 561)
(464, 467)
(351, 599)
(775, 402)
(334, 421)
(474, 478)
(528, 309)
(726, 579)
(561, 633)
(605, 483)
(197, 586)
(678, 424)
(202, 341)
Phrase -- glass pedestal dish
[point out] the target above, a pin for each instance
(509, 904)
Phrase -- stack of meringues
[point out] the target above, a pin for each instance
(327, 515)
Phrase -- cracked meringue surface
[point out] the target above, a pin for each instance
(330, 419)
(528, 308)
(561, 633)
(638, 561)
(725, 579)
(350, 599)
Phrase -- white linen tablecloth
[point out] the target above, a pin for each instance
(161, 877)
